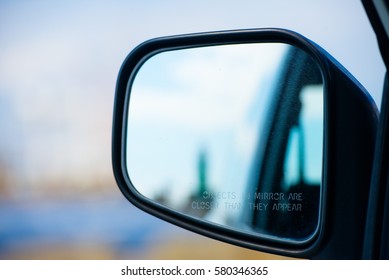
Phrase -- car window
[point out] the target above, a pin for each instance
(303, 159)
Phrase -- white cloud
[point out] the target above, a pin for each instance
(211, 88)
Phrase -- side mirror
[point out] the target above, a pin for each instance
(254, 137)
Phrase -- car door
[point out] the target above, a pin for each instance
(376, 241)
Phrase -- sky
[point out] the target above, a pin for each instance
(211, 100)
(59, 62)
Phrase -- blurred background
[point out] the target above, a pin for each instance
(58, 66)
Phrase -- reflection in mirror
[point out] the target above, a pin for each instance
(232, 135)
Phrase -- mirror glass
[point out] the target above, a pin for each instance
(232, 135)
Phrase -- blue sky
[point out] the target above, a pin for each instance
(59, 62)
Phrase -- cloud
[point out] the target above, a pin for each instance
(210, 88)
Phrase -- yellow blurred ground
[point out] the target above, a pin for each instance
(203, 248)
(182, 248)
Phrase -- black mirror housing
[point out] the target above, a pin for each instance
(350, 124)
